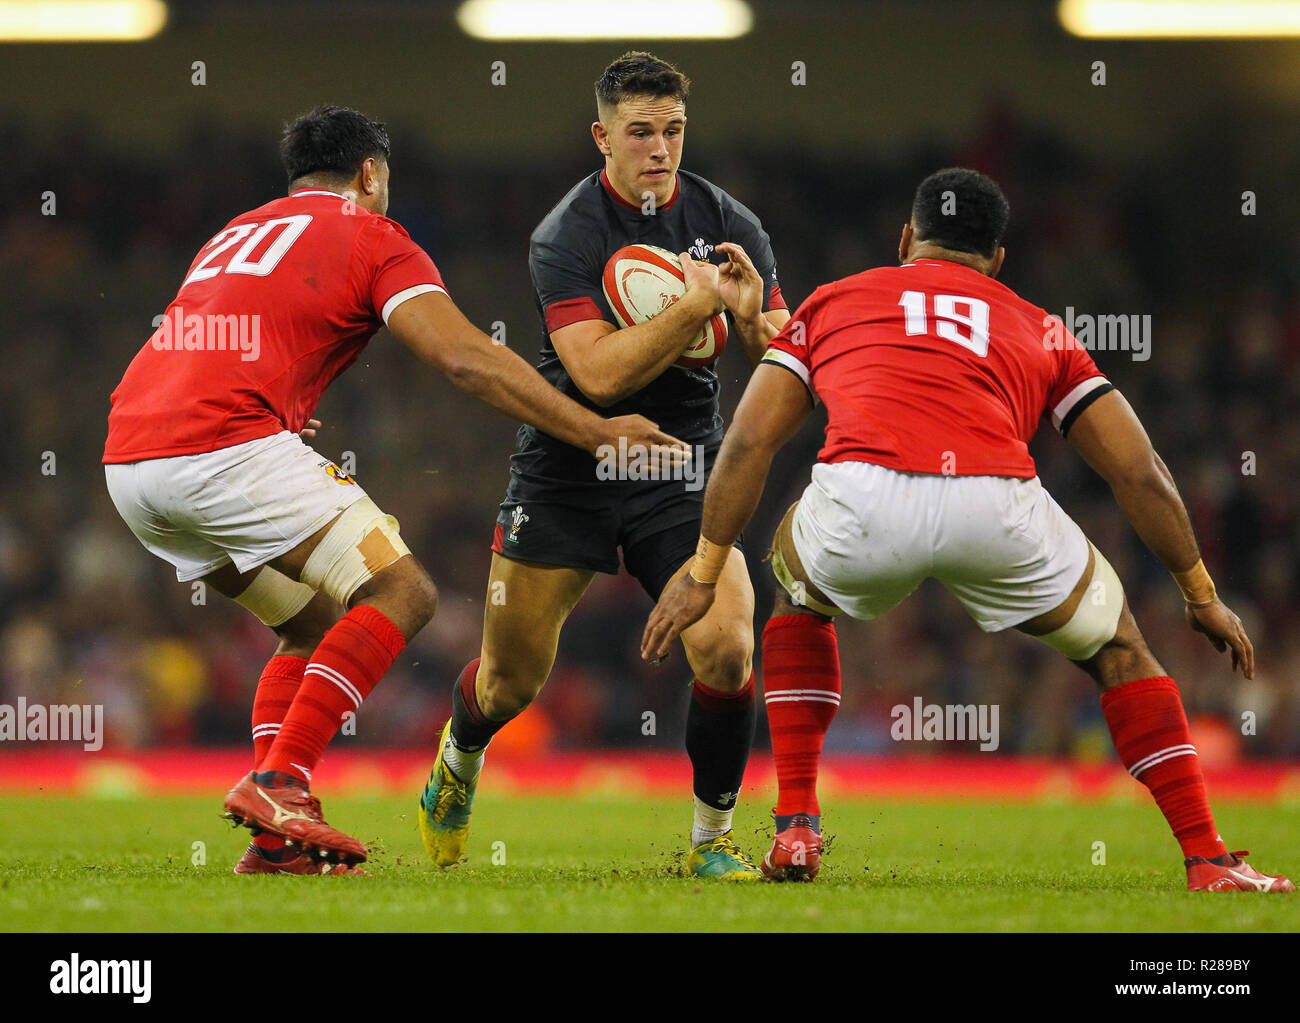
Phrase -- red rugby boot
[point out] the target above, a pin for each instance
(1231, 874)
(796, 853)
(287, 809)
(257, 861)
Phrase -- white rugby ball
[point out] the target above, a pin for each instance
(641, 281)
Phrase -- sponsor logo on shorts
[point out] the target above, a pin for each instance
(339, 475)
(517, 519)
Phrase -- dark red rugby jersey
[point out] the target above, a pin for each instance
(934, 367)
(273, 308)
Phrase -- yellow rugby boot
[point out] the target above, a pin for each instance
(445, 807)
(721, 857)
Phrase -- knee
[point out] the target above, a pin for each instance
(726, 662)
(1126, 658)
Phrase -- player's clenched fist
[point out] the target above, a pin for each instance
(701, 275)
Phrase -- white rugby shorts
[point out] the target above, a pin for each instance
(248, 503)
(867, 536)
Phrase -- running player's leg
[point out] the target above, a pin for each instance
(271, 596)
(801, 687)
(721, 717)
(527, 605)
(1145, 715)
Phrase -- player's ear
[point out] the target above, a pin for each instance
(998, 257)
(369, 176)
(601, 136)
(905, 242)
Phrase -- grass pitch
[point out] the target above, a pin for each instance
(599, 864)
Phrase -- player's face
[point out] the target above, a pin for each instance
(643, 146)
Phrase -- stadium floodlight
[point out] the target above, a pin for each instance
(1180, 19)
(572, 20)
(63, 21)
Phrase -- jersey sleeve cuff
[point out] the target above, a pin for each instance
(571, 310)
(776, 357)
(776, 300)
(402, 296)
(1073, 405)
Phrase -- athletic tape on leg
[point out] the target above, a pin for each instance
(1096, 619)
(362, 543)
(274, 597)
(798, 590)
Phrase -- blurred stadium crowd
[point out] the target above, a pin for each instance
(87, 616)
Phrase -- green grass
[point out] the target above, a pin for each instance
(86, 864)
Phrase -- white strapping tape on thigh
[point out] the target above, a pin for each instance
(274, 597)
(798, 590)
(1096, 619)
(362, 543)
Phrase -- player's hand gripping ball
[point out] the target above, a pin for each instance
(641, 281)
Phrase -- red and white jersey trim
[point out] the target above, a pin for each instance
(402, 296)
(790, 362)
(1084, 389)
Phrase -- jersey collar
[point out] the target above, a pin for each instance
(613, 192)
(314, 191)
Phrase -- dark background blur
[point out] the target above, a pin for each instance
(1126, 198)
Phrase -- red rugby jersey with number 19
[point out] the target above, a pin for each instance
(933, 367)
(273, 308)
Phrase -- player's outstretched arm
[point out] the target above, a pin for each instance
(773, 407)
(438, 333)
(1112, 440)
(609, 364)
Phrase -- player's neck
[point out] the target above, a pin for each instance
(921, 250)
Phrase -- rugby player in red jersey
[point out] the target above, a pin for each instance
(561, 520)
(205, 463)
(935, 377)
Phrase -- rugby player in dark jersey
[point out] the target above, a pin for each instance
(563, 519)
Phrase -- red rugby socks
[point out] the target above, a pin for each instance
(351, 659)
(275, 692)
(1149, 727)
(801, 682)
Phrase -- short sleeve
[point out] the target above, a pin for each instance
(399, 269)
(1077, 382)
(747, 232)
(567, 282)
(791, 349)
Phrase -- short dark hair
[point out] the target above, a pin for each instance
(973, 218)
(638, 73)
(333, 141)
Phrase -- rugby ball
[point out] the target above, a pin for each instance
(641, 281)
